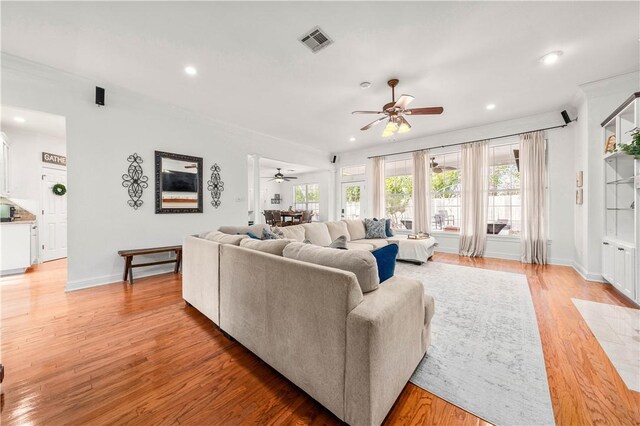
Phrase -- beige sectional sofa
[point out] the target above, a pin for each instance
(346, 340)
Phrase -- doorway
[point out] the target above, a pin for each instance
(352, 195)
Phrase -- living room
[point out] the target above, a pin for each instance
(143, 88)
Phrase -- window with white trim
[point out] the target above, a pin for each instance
(307, 197)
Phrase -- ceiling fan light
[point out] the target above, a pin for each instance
(404, 128)
(279, 180)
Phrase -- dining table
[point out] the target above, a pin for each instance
(294, 217)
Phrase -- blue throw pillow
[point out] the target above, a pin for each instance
(252, 235)
(268, 235)
(387, 228)
(386, 259)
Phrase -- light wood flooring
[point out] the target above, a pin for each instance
(136, 354)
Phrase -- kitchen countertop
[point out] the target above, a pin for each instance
(19, 222)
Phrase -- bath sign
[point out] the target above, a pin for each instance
(60, 160)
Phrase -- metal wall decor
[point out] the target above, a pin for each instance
(135, 181)
(215, 186)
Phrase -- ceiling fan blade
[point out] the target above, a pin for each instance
(403, 102)
(367, 112)
(424, 111)
(288, 178)
(373, 123)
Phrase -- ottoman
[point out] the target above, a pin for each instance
(417, 251)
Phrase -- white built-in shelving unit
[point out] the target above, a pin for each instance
(620, 257)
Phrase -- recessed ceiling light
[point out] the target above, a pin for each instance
(551, 57)
(365, 85)
(491, 106)
(190, 70)
(352, 139)
(19, 119)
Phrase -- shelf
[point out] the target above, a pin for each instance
(623, 180)
(617, 154)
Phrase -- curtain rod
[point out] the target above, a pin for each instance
(478, 140)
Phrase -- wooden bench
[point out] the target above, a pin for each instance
(130, 254)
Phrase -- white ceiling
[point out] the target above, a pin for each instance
(34, 121)
(253, 72)
(268, 167)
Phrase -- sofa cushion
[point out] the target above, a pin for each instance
(374, 228)
(386, 260)
(317, 233)
(359, 246)
(361, 262)
(374, 242)
(233, 230)
(339, 243)
(222, 238)
(356, 229)
(338, 228)
(295, 232)
(267, 246)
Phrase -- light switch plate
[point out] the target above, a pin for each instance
(638, 182)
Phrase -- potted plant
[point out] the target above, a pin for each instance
(633, 147)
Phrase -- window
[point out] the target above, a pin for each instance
(445, 192)
(307, 197)
(398, 197)
(504, 190)
(353, 171)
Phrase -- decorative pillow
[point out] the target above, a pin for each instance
(361, 262)
(267, 246)
(252, 236)
(295, 232)
(278, 232)
(223, 238)
(306, 242)
(387, 228)
(268, 235)
(386, 259)
(375, 229)
(339, 243)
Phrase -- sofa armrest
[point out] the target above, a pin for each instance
(200, 276)
(385, 343)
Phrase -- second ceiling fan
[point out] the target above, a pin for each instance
(395, 111)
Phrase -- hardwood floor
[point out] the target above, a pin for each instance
(136, 354)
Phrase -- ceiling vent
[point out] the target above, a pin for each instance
(316, 39)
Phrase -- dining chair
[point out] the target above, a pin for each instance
(268, 217)
(306, 216)
(277, 218)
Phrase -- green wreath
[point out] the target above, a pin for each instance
(59, 189)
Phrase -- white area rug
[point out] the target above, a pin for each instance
(618, 331)
(486, 356)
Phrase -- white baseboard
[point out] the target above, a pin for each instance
(509, 256)
(589, 276)
(115, 278)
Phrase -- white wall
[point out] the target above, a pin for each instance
(99, 139)
(26, 164)
(561, 180)
(598, 100)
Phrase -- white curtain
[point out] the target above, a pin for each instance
(421, 190)
(378, 187)
(533, 239)
(475, 198)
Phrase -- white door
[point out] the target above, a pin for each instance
(352, 206)
(53, 222)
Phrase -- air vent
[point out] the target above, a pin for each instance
(316, 39)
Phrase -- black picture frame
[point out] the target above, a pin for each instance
(159, 156)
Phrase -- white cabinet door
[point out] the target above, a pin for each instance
(629, 273)
(15, 247)
(608, 261)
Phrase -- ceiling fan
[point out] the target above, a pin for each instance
(395, 111)
(279, 177)
(436, 169)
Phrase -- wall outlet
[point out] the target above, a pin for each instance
(238, 199)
